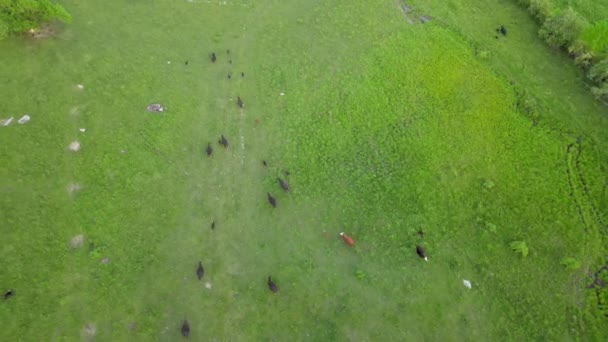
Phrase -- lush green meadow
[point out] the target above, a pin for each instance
(386, 126)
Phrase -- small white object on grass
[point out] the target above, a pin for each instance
(80, 86)
(282, 94)
(74, 146)
(208, 285)
(83, 130)
(7, 122)
(466, 283)
(24, 119)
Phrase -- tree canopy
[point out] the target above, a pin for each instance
(18, 16)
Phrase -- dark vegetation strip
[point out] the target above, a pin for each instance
(585, 42)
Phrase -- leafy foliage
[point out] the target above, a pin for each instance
(599, 72)
(519, 247)
(540, 9)
(596, 37)
(563, 29)
(570, 263)
(22, 15)
(583, 57)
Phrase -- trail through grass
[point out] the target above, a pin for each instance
(384, 127)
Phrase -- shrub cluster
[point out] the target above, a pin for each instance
(587, 44)
(17, 16)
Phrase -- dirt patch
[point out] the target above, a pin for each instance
(77, 241)
(72, 188)
(74, 146)
(43, 32)
(89, 330)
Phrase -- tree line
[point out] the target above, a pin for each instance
(586, 43)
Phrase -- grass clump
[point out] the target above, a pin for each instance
(520, 247)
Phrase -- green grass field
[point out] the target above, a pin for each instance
(385, 125)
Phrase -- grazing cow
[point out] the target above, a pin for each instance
(8, 294)
(185, 328)
(283, 184)
(229, 76)
(200, 271)
(421, 254)
(223, 141)
(213, 224)
(239, 102)
(503, 30)
(347, 239)
(272, 286)
(272, 201)
(264, 163)
(213, 58)
(209, 149)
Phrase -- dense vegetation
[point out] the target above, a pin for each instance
(17, 16)
(584, 38)
(492, 147)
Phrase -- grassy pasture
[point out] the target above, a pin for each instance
(385, 127)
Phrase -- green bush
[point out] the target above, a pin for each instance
(570, 263)
(520, 247)
(18, 16)
(596, 37)
(583, 57)
(563, 29)
(540, 9)
(599, 72)
(601, 92)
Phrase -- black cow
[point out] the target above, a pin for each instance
(272, 201)
(223, 141)
(185, 328)
(200, 271)
(209, 149)
(283, 184)
(421, 253)
(272, 286)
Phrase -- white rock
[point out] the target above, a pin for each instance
(7, 122)
(74, 146)
(24, 119)
(83, 130)
(208, 285)
(466, 283)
